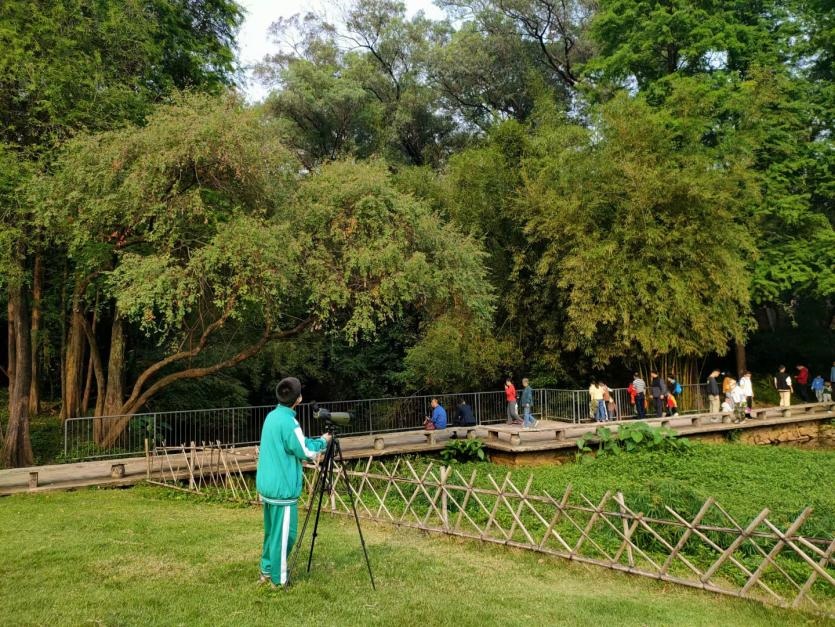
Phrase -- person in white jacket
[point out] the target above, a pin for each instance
(747, 388)
(738, 399)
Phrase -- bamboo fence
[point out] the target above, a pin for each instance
(754, 559)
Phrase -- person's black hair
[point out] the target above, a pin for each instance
(288, 391)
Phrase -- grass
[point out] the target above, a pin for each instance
(147, 556)
(743, 478)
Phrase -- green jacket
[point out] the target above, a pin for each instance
(283, 448)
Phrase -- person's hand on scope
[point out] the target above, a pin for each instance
(327, 438)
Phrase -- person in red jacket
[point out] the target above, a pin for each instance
(510, 395)
(802, 380)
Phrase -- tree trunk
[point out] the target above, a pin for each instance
(114, 395)
(96, 365)
(12, 351)
(741, 362)
(63, 359)
(17, 447)
(37, 293)
(76, 343)
(88, 384)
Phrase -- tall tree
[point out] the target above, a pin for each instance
(201, 233)
(638, 236)
(70, 65)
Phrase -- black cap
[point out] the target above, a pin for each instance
(288, 391)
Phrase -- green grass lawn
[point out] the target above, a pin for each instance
(145, 556)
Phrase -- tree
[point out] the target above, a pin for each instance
(85, 65)
(556, 30)
(200, 232)
(638, 237)
(335, 82)
(756, 79)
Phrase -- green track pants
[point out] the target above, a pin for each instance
(281, 519)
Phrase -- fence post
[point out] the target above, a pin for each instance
(444, 511)
(66, 422)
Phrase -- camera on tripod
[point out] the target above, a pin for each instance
(331, 418)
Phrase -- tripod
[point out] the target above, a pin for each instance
(325, 483)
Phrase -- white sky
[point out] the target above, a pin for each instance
(254, 42)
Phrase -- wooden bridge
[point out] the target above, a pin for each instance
(549, 441)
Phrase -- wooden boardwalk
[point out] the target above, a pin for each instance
(546, 436)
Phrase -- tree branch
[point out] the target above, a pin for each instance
(193, 352)
(196, 373)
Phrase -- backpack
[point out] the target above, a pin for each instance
(677, 389)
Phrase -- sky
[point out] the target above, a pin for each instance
(254, 43)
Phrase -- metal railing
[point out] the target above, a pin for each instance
(87, 437)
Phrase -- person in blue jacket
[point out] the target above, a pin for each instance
(279, 478)
(438, 418)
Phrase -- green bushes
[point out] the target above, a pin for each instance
(632, 437)
(457, 451)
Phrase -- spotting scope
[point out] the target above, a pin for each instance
(338, 418)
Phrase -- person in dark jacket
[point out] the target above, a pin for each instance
(526, 401)
(713, 392)
(659, 393)
(464, 415)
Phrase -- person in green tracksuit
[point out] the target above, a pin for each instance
(279, 479)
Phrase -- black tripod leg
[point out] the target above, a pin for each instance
(327, 473)
(318, 488)
(354, 509)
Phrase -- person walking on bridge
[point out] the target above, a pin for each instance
(713, 392)
(527, 405)
(802, 379)
(640, 387)
(510, 395)
(783, 383)
(659, 393)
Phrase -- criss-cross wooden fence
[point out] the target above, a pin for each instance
(755, 559)
(201, 467)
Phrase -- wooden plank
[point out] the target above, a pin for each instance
(627, 532)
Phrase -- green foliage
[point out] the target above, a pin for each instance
(626, 214)
(199, 220)
(632, 437)
(92, 64)
(461, 451)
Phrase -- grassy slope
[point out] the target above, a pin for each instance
(140, 556)
(744, 479)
